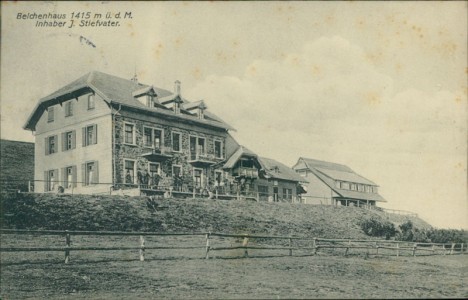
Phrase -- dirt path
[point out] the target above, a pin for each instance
(320, 276)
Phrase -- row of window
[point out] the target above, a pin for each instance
(69, 178)
(68, 138)
(68, 108)
(263, 190)
(356, 187)
(153, 138)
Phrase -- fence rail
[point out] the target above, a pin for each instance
(209, 238)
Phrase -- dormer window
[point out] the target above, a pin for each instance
(146, 96)
(201, 113)
(176, 107)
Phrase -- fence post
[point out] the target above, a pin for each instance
(68, 243)
(290, 246)
(244, 243)
(397, 249)
(142, 248)
(377, 249)
(207, 245)
(451, 249)
(315, 245)
(347, 248)
(29, 186)
(461, 248)
(433, 248)
(414, 249)
(443, 249)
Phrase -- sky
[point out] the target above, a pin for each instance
(378, 86)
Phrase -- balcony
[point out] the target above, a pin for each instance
(158, 153)
(245, 172)
(202, 158)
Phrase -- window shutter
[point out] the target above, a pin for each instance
(46, 179)
(83, 174)
(56, 141)
(95, 134)
(73, 139)
(96, 172)
(46, 146)
(84, 137)
(64, 141)
(56, 178)
(64, 177)
(74, 178)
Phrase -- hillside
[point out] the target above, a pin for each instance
(17, 164)
(84, 212)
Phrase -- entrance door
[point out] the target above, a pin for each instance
(275, 194)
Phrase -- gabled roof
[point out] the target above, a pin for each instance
(197, 104)
(241, 151)
(335, 171)
(275, 169)
(146, 90)
(116, 90)
(329, 172)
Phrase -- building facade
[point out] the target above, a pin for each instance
(105, 134)
(336, 184)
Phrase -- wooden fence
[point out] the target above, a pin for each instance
(312, 246)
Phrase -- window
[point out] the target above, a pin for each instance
(51, 144)
(201, 145)
(129, 134)
(90, 173)
(287, 194)
(69, 177)
(345, 185)
(197, 146)
(218, 149)
(129, 171)
(91, 102)
(152, 137)
(148, 137)
(176, 171)
(50, 114)
(263, 190)
(51, 179)
(218, 178)
(89, 135)
(353, 187)
(158, 135)
(68, 140)
(201, 114)
(154, 169)
(69, 108)
(337, 184)
(197, 177)
(176, 142)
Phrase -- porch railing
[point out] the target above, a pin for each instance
(246, 172)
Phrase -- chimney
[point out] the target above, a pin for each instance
(177, 87)
(134, 79)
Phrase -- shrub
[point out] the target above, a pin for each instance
(376, 227)
(411, 234)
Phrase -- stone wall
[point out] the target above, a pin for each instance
(124, 151)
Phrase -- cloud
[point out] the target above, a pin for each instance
(327, 101)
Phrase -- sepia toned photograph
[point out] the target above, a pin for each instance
(233, 150)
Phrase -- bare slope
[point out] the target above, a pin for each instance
(83, 212)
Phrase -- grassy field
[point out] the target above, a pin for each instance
(17, 164)
(184, 274)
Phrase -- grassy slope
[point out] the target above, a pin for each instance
(83, 212)
(17, 163)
